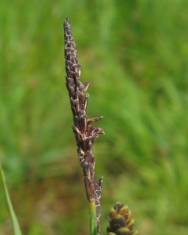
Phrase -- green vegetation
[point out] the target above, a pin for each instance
(135, 54)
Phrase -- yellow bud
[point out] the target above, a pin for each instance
(123, 231)
(113, 213)
(124, 211)
(131, 223)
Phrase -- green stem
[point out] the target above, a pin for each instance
(93, 224)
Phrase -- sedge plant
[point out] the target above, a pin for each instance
(120, 218)
(121, 221)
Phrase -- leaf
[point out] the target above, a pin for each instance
(16, 226)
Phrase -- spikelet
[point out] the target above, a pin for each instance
(84, 130)
(121, 221)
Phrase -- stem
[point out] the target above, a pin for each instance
(93, 225)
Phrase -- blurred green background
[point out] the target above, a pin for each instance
(135, 54)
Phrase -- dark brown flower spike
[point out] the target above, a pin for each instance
(85, 132)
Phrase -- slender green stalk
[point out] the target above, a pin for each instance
(16, 226)
(93, 225)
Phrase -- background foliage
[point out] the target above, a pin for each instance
(135, 55)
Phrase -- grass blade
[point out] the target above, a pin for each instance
(16, 226)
